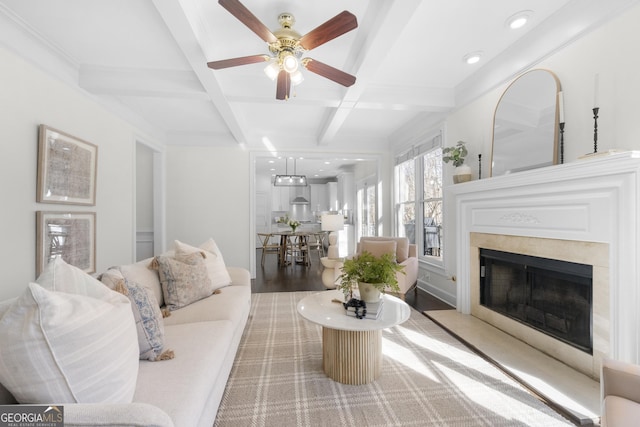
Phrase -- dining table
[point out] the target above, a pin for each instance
(288, 238)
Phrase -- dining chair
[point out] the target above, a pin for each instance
(298, 249)
(269, 246)
(316, 243)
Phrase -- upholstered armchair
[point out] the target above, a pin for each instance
(406, 255)
(620, 386)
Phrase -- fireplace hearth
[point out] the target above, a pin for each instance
(549, 295)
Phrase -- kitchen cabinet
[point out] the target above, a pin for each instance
(280, 198)
(332, 194)
(318, 197)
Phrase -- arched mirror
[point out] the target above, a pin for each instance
(525, 128)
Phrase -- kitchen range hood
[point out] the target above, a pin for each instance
(299, 201)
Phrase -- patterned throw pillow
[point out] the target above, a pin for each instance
(69, 339)
(148, 318)
(183, 281)
(213, 260)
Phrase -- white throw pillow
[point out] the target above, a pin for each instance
(60, 347)
(214, 261)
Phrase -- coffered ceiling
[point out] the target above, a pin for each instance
(146, 61)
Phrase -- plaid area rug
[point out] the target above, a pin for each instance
(428, 379)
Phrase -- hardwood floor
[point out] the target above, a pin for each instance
(297, 277)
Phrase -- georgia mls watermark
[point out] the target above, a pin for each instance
(31, 416)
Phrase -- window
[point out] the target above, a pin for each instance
(366, 206)
(418, 179)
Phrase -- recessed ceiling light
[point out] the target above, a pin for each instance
(518, 20)
(472, 58)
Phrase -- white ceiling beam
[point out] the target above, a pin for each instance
(178, 24)
(141, 82)
(384, 21)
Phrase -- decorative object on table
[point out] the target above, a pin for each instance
(332, 223)
(67, 168)
(595, 129)
(363, 310)
(561, 124)
(293, 224)
(372, 274)
(70, 235)
(356, 308)
(479, 166)
(456, 155)
(329, 274)
(596, 109)
(290, 222)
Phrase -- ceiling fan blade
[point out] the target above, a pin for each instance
(334, 27)
(284, 85)
(234, 62)
(329, 72)
(245, 16)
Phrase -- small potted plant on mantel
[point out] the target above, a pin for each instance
(373, 275)
(456, 154)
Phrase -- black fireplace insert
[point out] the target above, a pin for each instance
(552, 296)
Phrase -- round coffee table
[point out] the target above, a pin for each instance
(351, 347)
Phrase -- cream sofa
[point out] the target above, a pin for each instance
(185, 390)
(620, 384)
(406, 256)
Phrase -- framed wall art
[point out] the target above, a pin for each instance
(67, 168)
(71, 235)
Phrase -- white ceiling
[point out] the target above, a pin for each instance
(146, 60)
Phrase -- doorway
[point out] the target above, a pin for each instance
(149, 218)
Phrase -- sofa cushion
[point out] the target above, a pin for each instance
(378, 248)
(65, 347)
(182, 386)
(620, 412)
(140, 272)
(183, 280)
(229, 304)
(402, 245)
(214, 261)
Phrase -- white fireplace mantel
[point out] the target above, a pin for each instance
(591, 200)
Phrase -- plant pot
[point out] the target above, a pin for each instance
(462, 174)
(368, 292)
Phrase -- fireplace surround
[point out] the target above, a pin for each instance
(585, 212)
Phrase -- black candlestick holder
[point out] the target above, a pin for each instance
(562, 143)
(595, 129)
(479, 166)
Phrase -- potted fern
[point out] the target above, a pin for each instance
(456, 155)
(373, 275)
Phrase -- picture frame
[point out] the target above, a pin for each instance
(67, 168)
(71, 235)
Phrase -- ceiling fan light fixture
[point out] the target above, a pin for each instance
(297, 77)
(289, 62)
(272, 70)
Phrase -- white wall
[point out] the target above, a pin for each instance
(30, 98)
(208, 196)
(602, 52)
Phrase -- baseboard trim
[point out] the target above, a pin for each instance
(437, 292)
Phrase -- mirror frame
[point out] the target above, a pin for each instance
(556, 148)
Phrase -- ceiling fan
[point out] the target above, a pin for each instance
(287, 47)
